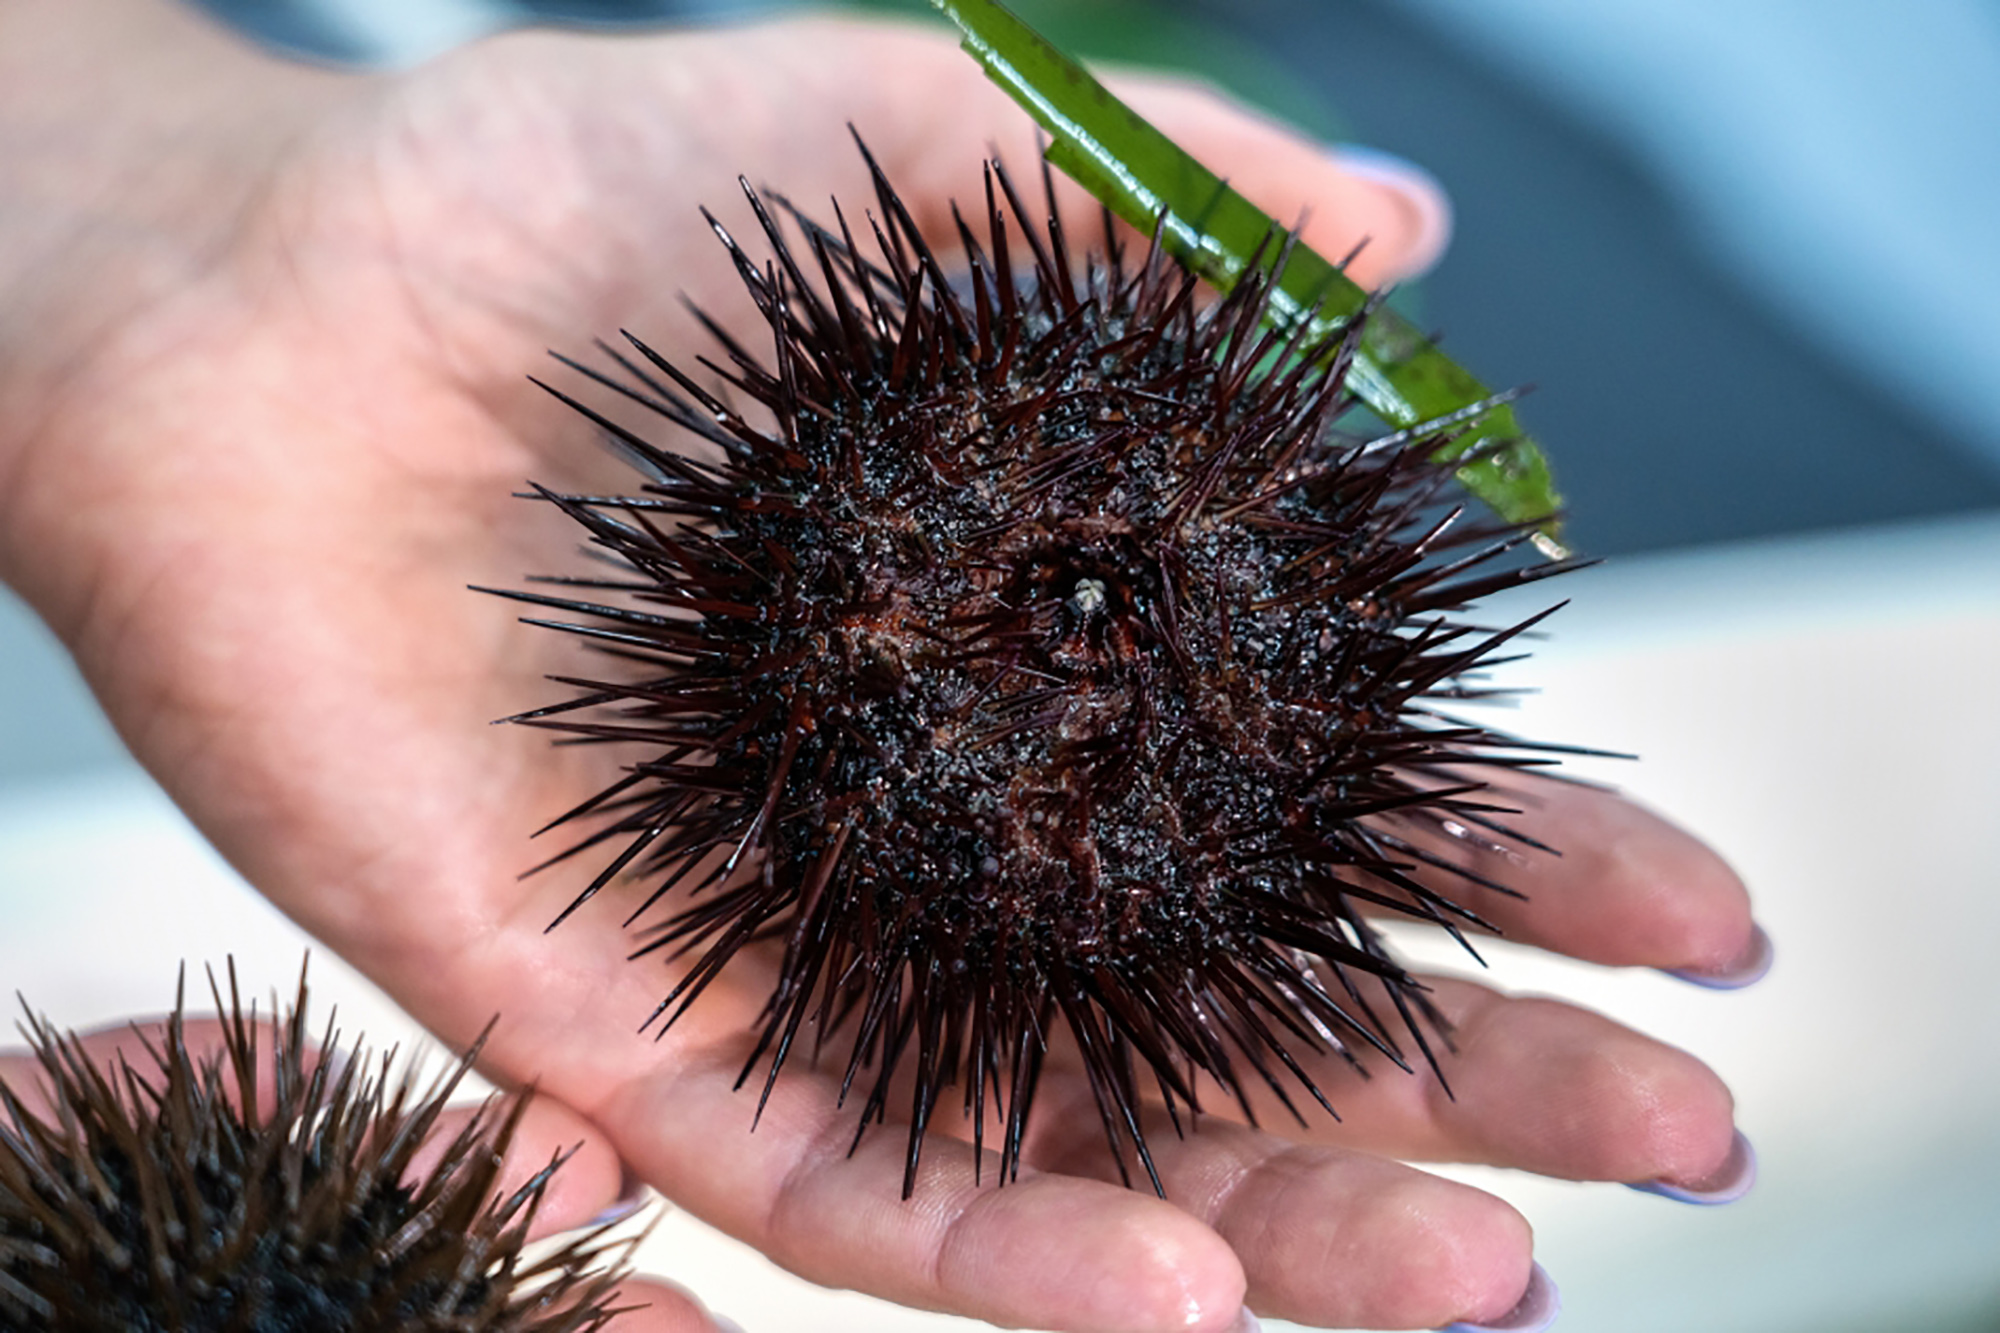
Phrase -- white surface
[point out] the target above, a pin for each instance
(50, 727)
(1823, 711)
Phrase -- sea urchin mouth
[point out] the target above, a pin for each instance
(1042, 659)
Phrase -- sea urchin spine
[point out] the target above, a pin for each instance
(1039, 658)
(270, 1192)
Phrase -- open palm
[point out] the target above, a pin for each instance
(269, 487)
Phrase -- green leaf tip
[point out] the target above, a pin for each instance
(1152, 183)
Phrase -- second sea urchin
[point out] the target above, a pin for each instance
(1037, 660)
(266, 1188)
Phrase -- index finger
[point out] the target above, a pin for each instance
(1611, 881)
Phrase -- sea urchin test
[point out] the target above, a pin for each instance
(1041, 662)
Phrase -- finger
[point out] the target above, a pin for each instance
(1403, 220)
(652, 1306)
(1623, 886)
(590, 1186)
(1046, 1251)
(1332, 1233)
(1535, 1085)
(1334, 1238)
(617, 180)
(1396, 213)
(930, 117)
(1527, 1083)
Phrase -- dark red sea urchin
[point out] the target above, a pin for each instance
(266, 1192)
(1042, 651)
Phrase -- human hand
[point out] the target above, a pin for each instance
(263, 435)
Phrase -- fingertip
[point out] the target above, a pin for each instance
(588, 1185)
(1631, 888)
(1088, 1256)
(1478, 1255)
(1731, 1181)
(1687, 906)
(649, 1305)
(633, 1194)
(1548, 1087)
(1536, 1309)
(1656, 1113)
(1335, 1238)
(1750, 964)
(1414, 196)
(1341, 197)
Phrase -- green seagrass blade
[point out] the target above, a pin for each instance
(1151, 182)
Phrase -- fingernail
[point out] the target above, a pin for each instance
(1747, 970)
(1730, 1182)
(632, 1196)
(1429, 205)
(723, 1323)
(1537, 1309)
(1246, 1322)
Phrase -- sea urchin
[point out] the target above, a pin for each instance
(269, 1192)
(1036, 657)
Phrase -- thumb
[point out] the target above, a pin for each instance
(930, 116)
(1340, 197)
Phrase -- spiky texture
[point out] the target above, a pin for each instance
(1040, 659)
(256, 1191)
